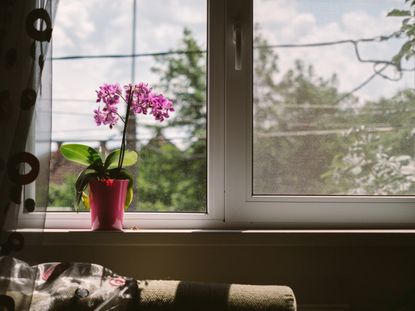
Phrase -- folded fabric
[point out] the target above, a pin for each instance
(84, 286)
(192, 296)
(64, 286)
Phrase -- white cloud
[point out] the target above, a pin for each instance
(275, 12)
(72, 25)
(298, 25)
(361, 24)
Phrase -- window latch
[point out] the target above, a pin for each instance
(237, 41)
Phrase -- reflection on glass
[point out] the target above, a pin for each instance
(170, 54)
(334, 108)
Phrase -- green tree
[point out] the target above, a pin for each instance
(165, 180)
(407, 30)
(296, 116)
(62, 195)
(158, 175)
(382, 163)
(183, 78)
(379, 158)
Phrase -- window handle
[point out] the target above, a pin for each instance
(237, 41)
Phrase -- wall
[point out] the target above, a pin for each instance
(366, 271)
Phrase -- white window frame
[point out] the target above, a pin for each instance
(214, 217)
(285, 211)
(231, 204)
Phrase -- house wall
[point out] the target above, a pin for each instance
(360, 271)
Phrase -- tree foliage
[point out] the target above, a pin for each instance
(165, 179)
(407, 30)
(183, 77)
(291, 115)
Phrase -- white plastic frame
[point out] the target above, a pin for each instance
(215, 210)
(284, 211)
(231, 204)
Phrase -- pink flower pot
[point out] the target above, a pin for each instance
(107, 200)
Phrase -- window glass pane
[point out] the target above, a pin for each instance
(93, 45)
(334, 104)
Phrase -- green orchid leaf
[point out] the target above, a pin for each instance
(81, 183)
(129, 197)
(81, 154)
(81, 178)
(115, 173)
(130, 158)
(124, 174)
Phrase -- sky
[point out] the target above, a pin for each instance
(314, 21)
(96, 27)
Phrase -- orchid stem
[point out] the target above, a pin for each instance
(122, 151)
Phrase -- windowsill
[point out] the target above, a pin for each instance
(265, 238)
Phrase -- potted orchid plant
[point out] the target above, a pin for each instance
(110, 185)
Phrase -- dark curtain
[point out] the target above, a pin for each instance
(25, 121)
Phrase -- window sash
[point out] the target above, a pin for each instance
(215, 133)
(231, 204)
(284, 211)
